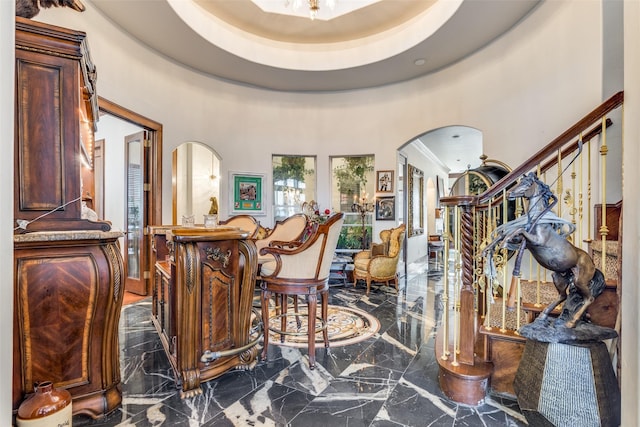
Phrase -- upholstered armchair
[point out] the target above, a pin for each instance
(302, 270)
(379, 264)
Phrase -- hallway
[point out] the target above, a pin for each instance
(390, 379)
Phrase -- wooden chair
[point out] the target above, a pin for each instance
(300, 271)
(245, 222)
(379, 264)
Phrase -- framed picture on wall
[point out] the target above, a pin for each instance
(247, 193)
(386, 208)
(384, 181)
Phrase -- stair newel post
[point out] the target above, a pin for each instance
(468, 317)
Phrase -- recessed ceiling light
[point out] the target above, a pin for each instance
(419, 61)
(455, 136)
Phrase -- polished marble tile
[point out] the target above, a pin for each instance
(390, 379)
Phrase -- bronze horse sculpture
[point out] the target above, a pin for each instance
(30, 8)
(544, 235)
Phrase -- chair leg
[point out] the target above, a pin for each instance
(284, 302)
(264, 305)
(312, 305)
(325, 315)
(368, 285)
(295, 306)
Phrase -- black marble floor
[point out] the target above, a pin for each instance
(388, 380)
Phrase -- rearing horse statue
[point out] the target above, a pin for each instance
(545, 236)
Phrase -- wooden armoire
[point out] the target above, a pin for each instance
(68, 269)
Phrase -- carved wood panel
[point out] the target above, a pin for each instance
(56, 302)
(67, 297)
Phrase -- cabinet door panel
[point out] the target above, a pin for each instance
(216, 309)
(46, 152)
(56, 299)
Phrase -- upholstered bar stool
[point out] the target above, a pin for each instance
(244, 222)
(300, 271)
(286, 233)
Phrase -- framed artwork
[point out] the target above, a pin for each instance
(439, 190)
(247, 193)
(415, 222)
(384, 181)
(385, 208)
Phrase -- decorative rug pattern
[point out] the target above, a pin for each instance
(345, 325)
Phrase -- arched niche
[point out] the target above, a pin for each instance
(196, 179)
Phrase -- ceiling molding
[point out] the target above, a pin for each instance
(228, 46)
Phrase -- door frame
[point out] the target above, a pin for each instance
(153, 195)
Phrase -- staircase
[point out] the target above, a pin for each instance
(478, 347)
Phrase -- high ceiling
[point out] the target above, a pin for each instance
(379, 42)
(385, 42)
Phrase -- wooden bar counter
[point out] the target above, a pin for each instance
(204, 282)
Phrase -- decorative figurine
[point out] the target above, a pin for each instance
(213, 210)
(544, 234)
(30, 8)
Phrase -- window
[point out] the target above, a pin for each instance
(352, 192)
(294, 182)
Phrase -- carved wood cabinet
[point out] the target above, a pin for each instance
(204, 282)
(56, 108)
(68, 270)
(67, 299)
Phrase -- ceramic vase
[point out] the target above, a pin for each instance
(47, 407)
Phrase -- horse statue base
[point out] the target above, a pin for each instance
(567, 385)
(552, 330)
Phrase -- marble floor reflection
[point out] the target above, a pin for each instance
(389, 380)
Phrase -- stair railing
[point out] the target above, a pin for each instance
(473, 294)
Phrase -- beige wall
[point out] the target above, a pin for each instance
(417, 245)
(521, 91)
(532, 75)
(631, 222)
(7, 59)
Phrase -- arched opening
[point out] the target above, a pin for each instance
(442, 155)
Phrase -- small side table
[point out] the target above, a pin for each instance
(436, 247)
(340, 267)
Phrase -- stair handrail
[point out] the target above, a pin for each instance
(584, 124)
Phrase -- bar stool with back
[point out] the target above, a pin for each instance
(300, 271)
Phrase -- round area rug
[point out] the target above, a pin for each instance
(345, 326)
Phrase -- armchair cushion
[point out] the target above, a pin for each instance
(379, 249)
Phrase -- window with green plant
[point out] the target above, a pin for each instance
(353, 188)
(294, 182)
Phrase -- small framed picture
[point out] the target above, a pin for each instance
(246, 193)
(384, 180)
(385, 208)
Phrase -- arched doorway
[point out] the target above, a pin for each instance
(441, 154)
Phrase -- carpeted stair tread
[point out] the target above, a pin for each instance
(533, 294)
(495, 320)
